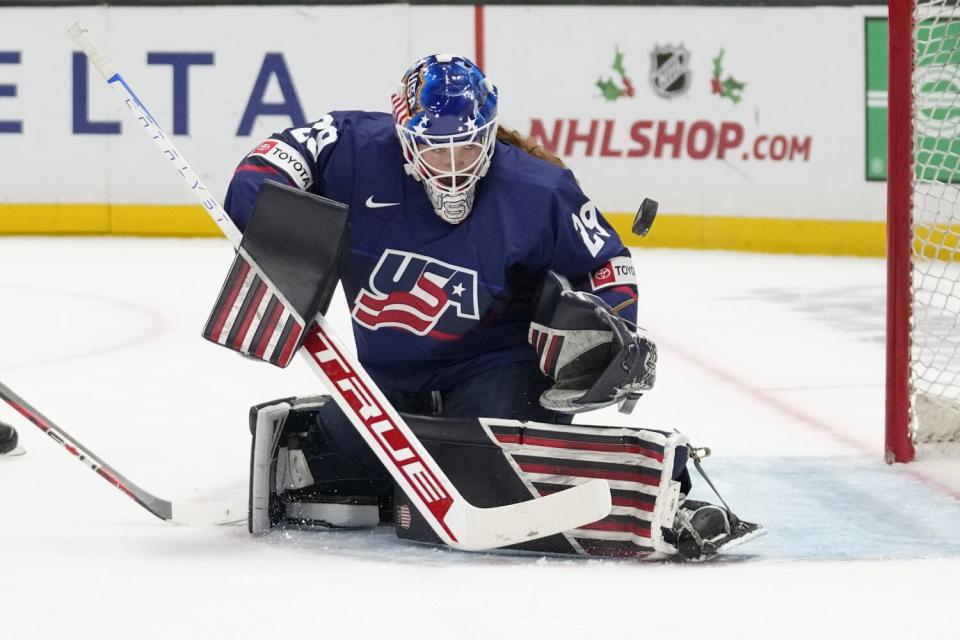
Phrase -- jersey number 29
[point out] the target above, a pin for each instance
(588, 224)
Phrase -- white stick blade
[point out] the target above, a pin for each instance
(502, 526)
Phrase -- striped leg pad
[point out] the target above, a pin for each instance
(637, 463)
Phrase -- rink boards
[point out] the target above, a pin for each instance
(748, 137)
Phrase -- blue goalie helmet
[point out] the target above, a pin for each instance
(446, 115)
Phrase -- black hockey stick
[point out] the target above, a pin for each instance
(157, 506)
(457, 522)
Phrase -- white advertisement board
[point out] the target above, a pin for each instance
(714, 112)
(217, 79)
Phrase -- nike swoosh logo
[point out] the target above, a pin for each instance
(376, 205)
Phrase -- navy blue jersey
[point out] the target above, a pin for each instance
(433, 303)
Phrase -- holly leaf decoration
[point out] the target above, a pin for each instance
(718, 64)
(733, 89)
(609, 89)
(728, 87)
(618, 63)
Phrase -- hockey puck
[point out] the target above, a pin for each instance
(646, 214)
(8, 438)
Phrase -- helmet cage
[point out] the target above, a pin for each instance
(450, 187)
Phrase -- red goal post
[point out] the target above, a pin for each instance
(923, 228)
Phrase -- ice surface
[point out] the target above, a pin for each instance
(775, 362)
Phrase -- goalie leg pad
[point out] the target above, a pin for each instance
(265, 507)
(298, 474)
(496, 462)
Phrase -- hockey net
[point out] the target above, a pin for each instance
(923, 377)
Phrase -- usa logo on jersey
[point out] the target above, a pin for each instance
(413, 292)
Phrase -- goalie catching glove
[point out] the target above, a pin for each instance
(594, 355)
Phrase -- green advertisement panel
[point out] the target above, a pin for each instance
(876, 66)
(936, 105)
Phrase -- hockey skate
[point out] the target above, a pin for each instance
(702, 530)
(8, 442)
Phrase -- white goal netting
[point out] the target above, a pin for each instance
(935, 351)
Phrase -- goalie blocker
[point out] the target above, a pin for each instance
(267, 320)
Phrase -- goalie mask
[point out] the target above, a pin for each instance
(446, 116)
(592, 354)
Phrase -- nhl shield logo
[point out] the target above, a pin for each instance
(670, 70)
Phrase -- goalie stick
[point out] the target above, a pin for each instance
(157, 506)
(457, 522)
